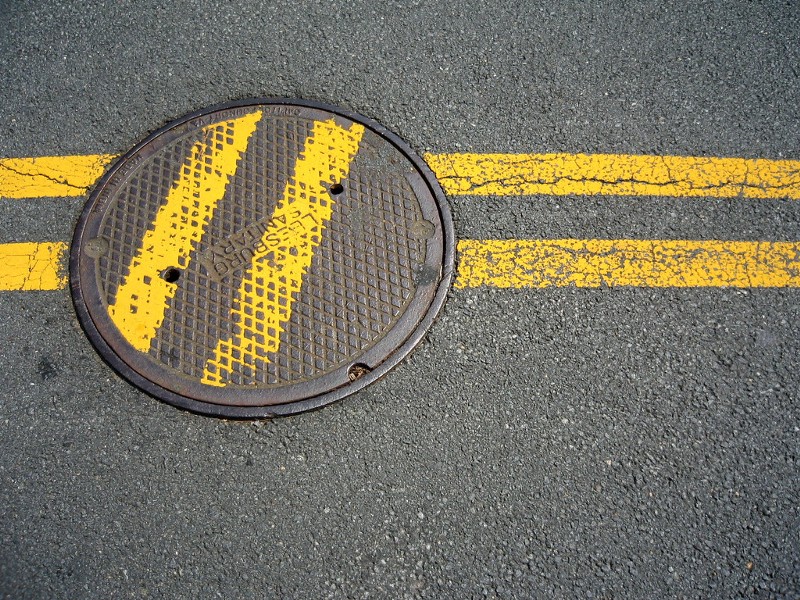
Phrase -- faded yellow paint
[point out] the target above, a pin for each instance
(50, 176)
(616, 263)
(494, 174)
(143, 296)
(530, 264)
(30, 266)
(615, 174)
(263, 302)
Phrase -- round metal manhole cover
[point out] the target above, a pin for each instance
(262, 258)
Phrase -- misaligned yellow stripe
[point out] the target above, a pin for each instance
(615, 174)
(143, 296)
(29, 266)
(616, 263)
(50, 176)
(263, 303)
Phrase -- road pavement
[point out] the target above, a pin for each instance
(623, 442)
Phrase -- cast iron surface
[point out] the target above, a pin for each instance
(376, 282)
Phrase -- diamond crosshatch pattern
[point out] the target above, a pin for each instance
(337, 315)
(134, 209)
(309, 250)
(201, 310)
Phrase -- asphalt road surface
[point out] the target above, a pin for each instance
(625, 442)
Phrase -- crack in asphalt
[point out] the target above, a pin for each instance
(60, 181)
(514, 180)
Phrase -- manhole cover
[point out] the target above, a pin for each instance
(262, 258)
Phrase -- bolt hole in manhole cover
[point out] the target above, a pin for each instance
(262, 258)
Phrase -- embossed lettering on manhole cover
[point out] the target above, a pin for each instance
(262, 258)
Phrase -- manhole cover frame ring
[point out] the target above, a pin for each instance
(112, 358)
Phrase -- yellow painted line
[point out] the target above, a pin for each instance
(143, 296)
(615, 174)
(619, 263)
(263, 303)
(494, 175)
(529, 264)
(29, 266)
(50, 176)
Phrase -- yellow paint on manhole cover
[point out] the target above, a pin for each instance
(262, 258)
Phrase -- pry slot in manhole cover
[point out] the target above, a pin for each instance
(262, 258)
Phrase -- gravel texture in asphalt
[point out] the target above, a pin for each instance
(612, 443)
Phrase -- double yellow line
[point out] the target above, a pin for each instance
(597, 263)
(513, 262)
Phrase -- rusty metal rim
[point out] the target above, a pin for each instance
(244, 412)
